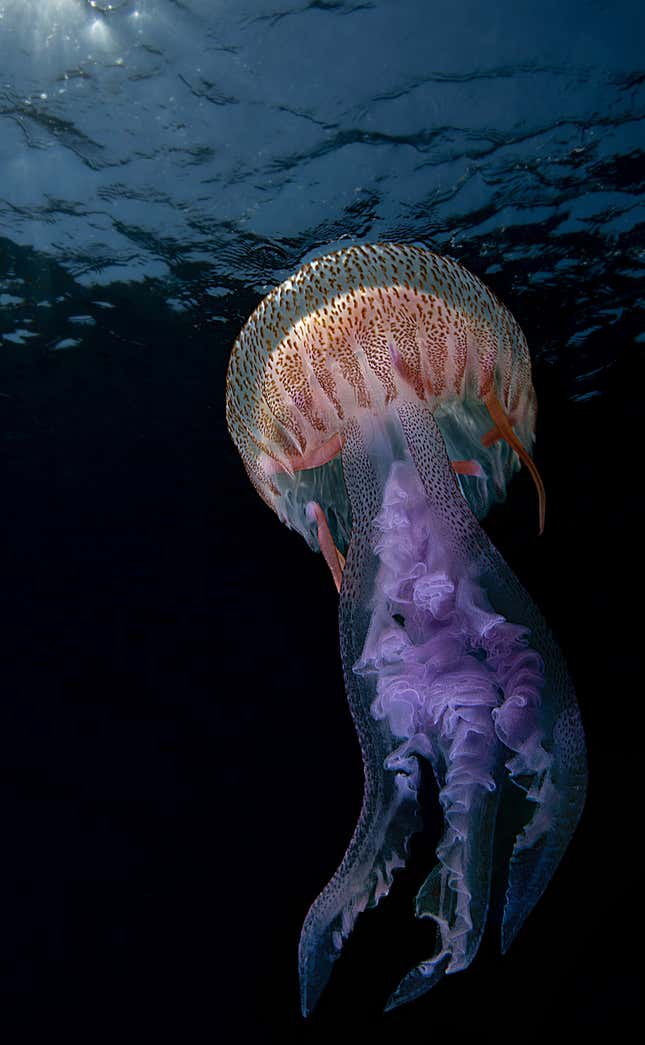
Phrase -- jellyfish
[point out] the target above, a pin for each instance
(381, 398)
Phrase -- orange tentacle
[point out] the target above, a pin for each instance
(331, 555)
(503, 425)
(468, 468)
(321, 455)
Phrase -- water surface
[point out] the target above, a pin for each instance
(182, 782)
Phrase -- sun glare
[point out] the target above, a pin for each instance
(41, 22)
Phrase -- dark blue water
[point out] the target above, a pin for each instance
(179, 771)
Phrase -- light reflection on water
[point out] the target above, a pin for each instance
(223, 143)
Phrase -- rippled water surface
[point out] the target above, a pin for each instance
(211, 146)
(180, 775)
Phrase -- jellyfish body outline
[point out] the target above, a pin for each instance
(380, 399)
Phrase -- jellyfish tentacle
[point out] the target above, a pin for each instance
(558, 791)
(329, 550)
(493, 435)
(538, 721)
(437, 685)
(455, 895)
(319, 456)
(389, 811)
(435, 632)
(469, 467)
(505, 429)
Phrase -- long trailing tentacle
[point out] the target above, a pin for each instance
(541, 731)
(446, 665)
(330, 553)
(389, 810)
(447, 658)
(504, 430)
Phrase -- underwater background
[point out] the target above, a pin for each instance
(180, 774)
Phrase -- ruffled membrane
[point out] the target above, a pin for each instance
(459, 685)
(445, 658)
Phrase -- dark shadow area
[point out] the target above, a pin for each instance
(180, 774)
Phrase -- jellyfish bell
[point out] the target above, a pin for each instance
(353, 332)
(381, 398)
